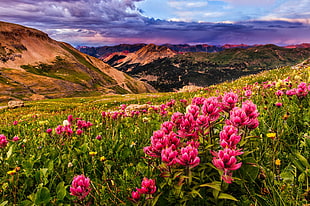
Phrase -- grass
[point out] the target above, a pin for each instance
(38, 168)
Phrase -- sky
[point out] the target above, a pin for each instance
(214, 22)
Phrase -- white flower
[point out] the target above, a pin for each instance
(66, 123)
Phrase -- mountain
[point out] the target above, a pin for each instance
(203, 69)
(32, 66)
(303, 45)
(104, 51)
(143, 56)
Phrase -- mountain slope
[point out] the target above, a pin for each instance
(145, 55)
(31, 63)
(203, 69)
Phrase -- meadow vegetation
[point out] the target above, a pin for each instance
(244, 142)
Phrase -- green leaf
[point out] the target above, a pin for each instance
(42, 196)
(4, 203)
(214, 185)
(303, 160)
(9, 153)
(227, 197)
(61, 191)
(155, 199)
(195, 192)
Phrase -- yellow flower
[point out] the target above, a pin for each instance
(92, 153)
(272, 135)
(11, 172)
(132, 144)
(278, 162)
(103, 158)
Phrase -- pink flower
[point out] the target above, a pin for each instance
(49, 130)
(238, 117)
(78, 131)
(211, 108)
(302, 90)
(15, 122)
(278, 104)
(80, 186)
(99, 137)
(198, 101)
(167, 127)
(148, 186)
(229, 101)
(250, 109)
(135, 196)
(248, 93)
(70, 119)
(279, 93)
(15, 139)
(189, 156)
(169, 155)
(291, 92)
(3, 141)
(225, 160)
(229, 137)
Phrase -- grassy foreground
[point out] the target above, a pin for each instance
(176, 149)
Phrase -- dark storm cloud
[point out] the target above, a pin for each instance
(108, 22)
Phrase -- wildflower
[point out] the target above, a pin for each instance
(70, 164)
(132, 144)
(248, 93)
(65, 123)
(102, 159)
(99, 137)
(279, 93)
(278, 104)
(80, 186)
(226, 161)
(79, 132)
(169, 155)
(15, 139)
(15, 123)
(211, 107)
(238, 117)
(189, 156)
(148, 186)
(271, 135)
(11, 172)
(229, 137)
(3, 141)
(135, 196)
(92, 153)
(70, 118)
(49, 130)
(229, 101)
(278, 162)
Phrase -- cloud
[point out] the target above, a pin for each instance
(261, 3)
(183, 5)
(110, 22)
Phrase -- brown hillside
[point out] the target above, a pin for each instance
(32, 63)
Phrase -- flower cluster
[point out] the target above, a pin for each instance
(177, 141)
(3, 141)
(148, 187)
(71, 124)
(80, 186)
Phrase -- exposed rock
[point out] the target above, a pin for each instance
(15, 104)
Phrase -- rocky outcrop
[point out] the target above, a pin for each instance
(15, 104)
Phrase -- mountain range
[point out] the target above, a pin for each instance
(170, 67)
(34, 66)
